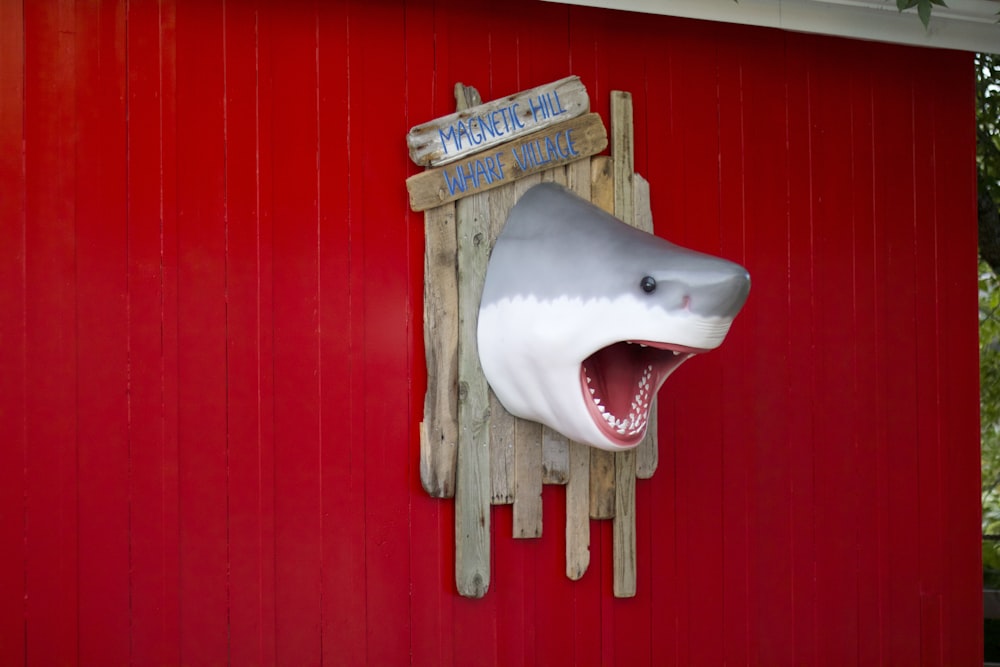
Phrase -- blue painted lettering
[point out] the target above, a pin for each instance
(445, 136)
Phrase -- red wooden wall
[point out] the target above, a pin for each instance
(211, 360)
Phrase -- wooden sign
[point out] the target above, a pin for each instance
(470, 447)
(552, 147)
(484, 126)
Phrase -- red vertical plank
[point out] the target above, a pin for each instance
(743, 208)
(249, 355)
(868, 295)
(12, 332)
(665, 175)
(102, 345)
(697, 438)
(585, 31)
(296, 233)
(203, 445)
(799, 339)
(835, 449)
(152, 308)
(955, 213)
(930, 517)
(51, 577)
(507, 616)
(380, 87)
(479, 623)
(894, 213)
(341, 279)
(542, 55)
(431, 520)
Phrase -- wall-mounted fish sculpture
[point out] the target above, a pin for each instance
(583, 317)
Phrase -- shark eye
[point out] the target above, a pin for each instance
(648, 284)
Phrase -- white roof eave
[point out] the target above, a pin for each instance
(965, 25)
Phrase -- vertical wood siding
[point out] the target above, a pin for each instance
(211, 357)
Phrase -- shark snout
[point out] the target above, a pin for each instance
(718, 288)
(724, 296)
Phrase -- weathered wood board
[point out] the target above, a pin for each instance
(439, 429)
(552, 147)
(623, 157)
(478, 128)
(472, 490)
(602, 463)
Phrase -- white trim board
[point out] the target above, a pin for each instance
(965, 25)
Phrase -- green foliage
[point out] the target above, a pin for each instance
(987, 121)
(923, 8)
(988, 163)
(989, 377)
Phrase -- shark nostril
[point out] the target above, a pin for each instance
(686, 302)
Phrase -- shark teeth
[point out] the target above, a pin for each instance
(635, 421)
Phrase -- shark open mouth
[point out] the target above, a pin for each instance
(620, 380)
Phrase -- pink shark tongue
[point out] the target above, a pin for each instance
(619, 382)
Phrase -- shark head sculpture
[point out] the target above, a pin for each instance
(583, 317)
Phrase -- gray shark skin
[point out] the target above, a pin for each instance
(583, 317)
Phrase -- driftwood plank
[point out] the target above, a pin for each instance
(439, 429)
(555, 445)
(554, 146)
(647, 453)
(578, 483)
(482, 126)
(577, 511)
(472, 484)
(623, 542)
(527, 479)
(555, 457)
(602, 463)
(501, 421)
(623, 156)
(527, 516)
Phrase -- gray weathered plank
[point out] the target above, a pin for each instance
(647, 453)
(578, 481)
(482, 126)
(623, 155)
(527, 517)
(578, 511)
(554, 146)
(555, 445)
(439, 429)
(602, 463)
(623, 541)
(555, 457)
(472, 484)
(501, 421)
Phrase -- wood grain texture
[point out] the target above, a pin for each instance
(555, 457)
(527, 513)
(624, 526)
(501, 421)
(602, 463)
(623, 169)
(527, 479)
(439, 429)
(472, 483)
(472, 506)
(578, 511)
